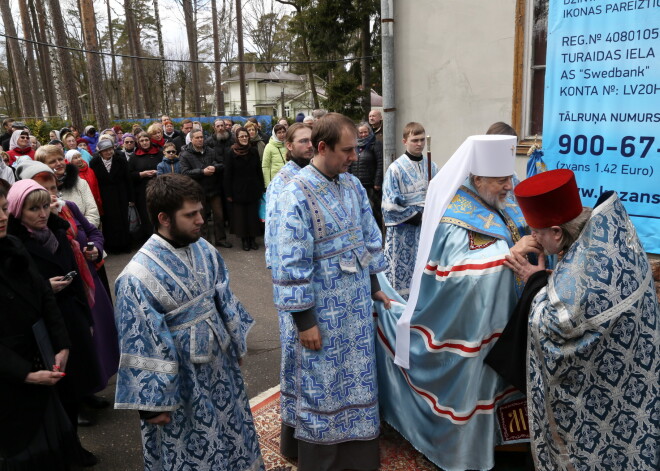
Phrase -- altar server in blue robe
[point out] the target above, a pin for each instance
(594, 329)
(300, 151)
(182, 334)
(404, 193)
(325, 254)
(439, 394)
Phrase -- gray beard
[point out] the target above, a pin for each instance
(221, 136)
(493, 201)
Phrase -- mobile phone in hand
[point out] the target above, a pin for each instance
(69, 276)
(90, 246)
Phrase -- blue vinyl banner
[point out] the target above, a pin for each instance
(602, 103)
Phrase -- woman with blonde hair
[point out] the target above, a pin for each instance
(155, 133)
(72, 187)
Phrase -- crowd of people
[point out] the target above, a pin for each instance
(512, 314)
(106, 173)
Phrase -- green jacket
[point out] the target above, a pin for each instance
(274, 159)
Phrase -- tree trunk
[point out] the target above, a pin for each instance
(43, 57)
(165, 107)
(115, 80)
(305, 48)
(43, 60)
(138, 79)
(32, 70)
(241, 65)
(107, 83)
(365, 39)
(310, 74)
(93, 63)
(217, 66)
(11, 85)
(21, 82)
(191, 32)
(70, 91)
(182, 83)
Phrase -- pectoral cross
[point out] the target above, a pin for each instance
(489, 221)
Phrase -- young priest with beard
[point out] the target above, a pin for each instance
(299, 153)
(182, 334)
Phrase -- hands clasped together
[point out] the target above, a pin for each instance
(517, 259)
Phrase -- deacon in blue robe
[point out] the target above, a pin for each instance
(273, 191)
(182, 333)
(446, 403)
(404, 192)
(299, 153)
(326, 245)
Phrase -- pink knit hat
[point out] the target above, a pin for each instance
(17, 194)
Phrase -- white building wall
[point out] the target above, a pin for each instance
(453, 68)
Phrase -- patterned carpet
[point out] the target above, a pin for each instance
(396, 454)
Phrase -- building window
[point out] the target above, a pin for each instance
(538, 46)
(529, 79)
(287, 111)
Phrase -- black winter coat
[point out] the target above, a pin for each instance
(222, 149)
(193, 164)
(82, 367)
(369, 166)
(137, 164)
(25, 298)
(179, 142)
(115, 192)
(244, 180)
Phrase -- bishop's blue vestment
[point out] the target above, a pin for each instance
(181, 333)
(594, 334)
(446, 403)
(404, 193)
(326, 245)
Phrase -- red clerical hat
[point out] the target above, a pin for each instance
(549, 199)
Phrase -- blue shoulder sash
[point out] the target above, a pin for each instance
(469, 211)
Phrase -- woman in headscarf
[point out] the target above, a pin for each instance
(87, 245)
(71, 143)
(244, 186)
(36, 432)
(274, 157)
(92, 138)
(44, 235)
(6, 171)
(141, 169)
(112, 176)
(72, 187)
(75, 158)
(19, 145)
(128, 146)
